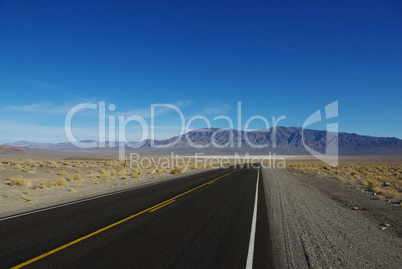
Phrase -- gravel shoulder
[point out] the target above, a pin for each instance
(313, 224)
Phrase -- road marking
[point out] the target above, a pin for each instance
(159, 207)
(250, 255)
(153, 208)
(160, 204)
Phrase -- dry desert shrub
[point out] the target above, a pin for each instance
(75, 177)
(390, 192)
(160, 170)
(92, 165)
(17, 166)
(52, 164)
(192, 165)
(372, 184)
(63, 174)
(112, 172)
(91, 175)
(123, 172)
(380, 178)
(19, 181)
(27, 198)
(136, 173)
(341, 177)
(108, 174)
(177, 170)
(195, 166)
(46, 184)
(60, 182)
(104, 174)
(32, 170)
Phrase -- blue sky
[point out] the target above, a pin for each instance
(277, 58)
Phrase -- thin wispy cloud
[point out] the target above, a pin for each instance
(40, 83)
(159, 110)
(215, 110)
(48, 108)
(212, 110)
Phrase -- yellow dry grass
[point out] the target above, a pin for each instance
(75, 177)
(382, 178)
(19, 181)
(27, 198)
(63, 174)
(40, 174)
(177, 170)
(136, 173)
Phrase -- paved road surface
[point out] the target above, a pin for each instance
(198, 221)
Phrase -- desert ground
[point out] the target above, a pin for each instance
(318, 221)
(56, 177)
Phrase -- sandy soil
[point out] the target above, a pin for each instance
(313, 224)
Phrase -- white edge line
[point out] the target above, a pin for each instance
(250, 255)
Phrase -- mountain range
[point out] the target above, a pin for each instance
(282, 140)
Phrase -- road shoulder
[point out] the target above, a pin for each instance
(311, 228)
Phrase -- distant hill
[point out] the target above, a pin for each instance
(288, 140)
(66, 146)
(5, 149)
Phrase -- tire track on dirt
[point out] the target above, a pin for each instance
(309, 229)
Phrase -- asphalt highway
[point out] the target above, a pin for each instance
(203, 220)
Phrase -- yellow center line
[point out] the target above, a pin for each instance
(165, 204)
(160, 204)
(151, 209)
